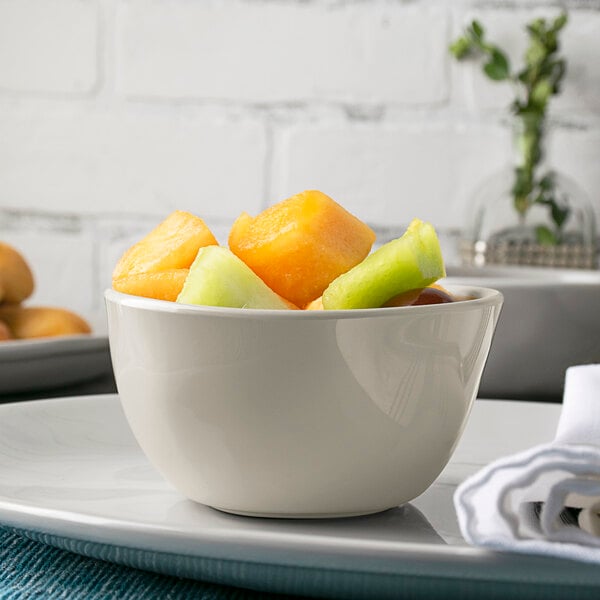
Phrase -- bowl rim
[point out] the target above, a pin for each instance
(483, 296)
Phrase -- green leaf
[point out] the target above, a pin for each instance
(550, 42)
(517, 107)
(559, 214)
(477, 29)
(528, 147)
(532, 120)
(522, 185)
(536, 28)
(523, 76)
(541, 92)
(544, 236)
(536, 53)
(460, 48)
(521, 204)
(558, 69)
(497, 68)
(560, 22)
(547, 182)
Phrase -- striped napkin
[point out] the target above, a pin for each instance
(545, 500)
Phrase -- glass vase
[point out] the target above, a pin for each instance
(529, 213)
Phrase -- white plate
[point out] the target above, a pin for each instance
(72, 475)
(48, 363)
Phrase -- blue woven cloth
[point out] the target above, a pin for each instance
(32, 570)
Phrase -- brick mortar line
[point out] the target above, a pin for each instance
(287, 114)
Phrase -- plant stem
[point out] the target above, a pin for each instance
(535, 83)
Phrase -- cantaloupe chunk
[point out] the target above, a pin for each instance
(173, 244)
(157, 265)
(299, 245)
(162, 285)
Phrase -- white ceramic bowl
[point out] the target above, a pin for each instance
(550, 321)
(299, 413)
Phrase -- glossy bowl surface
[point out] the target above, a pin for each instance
(550, 321)
(299, 413)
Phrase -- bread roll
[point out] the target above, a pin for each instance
(16, 279)
(37, 321)
(5, 333)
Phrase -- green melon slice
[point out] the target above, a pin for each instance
(218, 277)
(409, 262)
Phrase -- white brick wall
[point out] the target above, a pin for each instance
(288, 52)
(48, 46)
(390, 173)
(132, 159)
(114, 108)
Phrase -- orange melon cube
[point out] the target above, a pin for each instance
(173, 244)
(300, 245)
(162, 285)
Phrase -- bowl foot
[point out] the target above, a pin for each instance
(285, 515)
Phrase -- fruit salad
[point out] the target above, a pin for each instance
(304, 253)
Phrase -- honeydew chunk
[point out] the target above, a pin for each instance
(218, 277)
(409, 262)
(316, 304)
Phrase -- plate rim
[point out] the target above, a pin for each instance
(13, 350)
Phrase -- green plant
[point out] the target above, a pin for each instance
(535, 83)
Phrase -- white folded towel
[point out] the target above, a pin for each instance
(545, 500)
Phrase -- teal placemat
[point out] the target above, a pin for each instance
(36, 566)
(31, 570)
